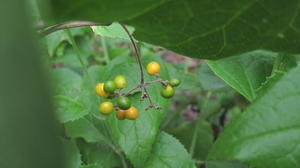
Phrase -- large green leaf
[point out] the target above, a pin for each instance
(209, 81)
(72, 155)
(201, 29)
(69, 97)
(99, 156)
(83, 128)
(267, 133)
(135, 137)
(202, 133)
(168, 152)
(246, 72)
(225, 164)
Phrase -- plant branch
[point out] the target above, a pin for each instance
(45, 31)
(143, 85)
(138, 56)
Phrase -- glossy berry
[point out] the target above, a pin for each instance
(153, 68)
(124, 103)
(120, 81)
(174, 82)
(121, 114)
(167, 92)
(110, 87)
(132, 113)
(106, 107)
(100, 90)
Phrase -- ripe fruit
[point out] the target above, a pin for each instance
(110, 87)
(167, 92)
(174, 82)
(106, 107)
(120, 81)
(132, 113)
(153, 68)
(100, 90)
(124, 103)
(121, 114)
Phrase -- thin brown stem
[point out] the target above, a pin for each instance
(138, 56)
(45, 31)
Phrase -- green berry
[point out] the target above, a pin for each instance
(174, 82)
(167, 92)
(124, 103)
(110, 87)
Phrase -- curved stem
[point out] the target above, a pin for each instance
(138, 56)
(51, 29)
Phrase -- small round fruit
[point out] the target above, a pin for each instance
(124, 103)
(100, 90)
(174, 82)
(106, 107)
(167, 92)
(121, 114)
(120, 81)
(110, 87)
(132, 113)
(153, 68)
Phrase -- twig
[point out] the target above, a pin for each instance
(143, 85)
(45, 31)
(138, 56)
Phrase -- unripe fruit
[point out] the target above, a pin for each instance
(167, 92)
(174, 82)
(100, 90)
(121, 114)
(124, 103)
(132, 113)
(110, 87)
(120, 81)
(153, 68)
(106, 107)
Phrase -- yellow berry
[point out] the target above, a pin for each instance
(106, 107)
(153, 68)
(100, 90)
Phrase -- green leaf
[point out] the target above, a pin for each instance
(225, 164)
(69, 97)
(69, 109)
(100, 156)
(267, 133)
(83, 128)
(168, 152)
(245, 73)
(115, 30)
(200, 29)
(208, 80)
(72, 154)
(204, 138)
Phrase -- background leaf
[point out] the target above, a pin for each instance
(267, 133)
(200, 29)
(72, 155)
(203, 132)
(168, 152)
(245, 73)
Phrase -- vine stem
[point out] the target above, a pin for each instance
(78, 53)
(138, 56)
(142, 85)
(45, 31)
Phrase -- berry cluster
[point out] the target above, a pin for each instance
(112, 89)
